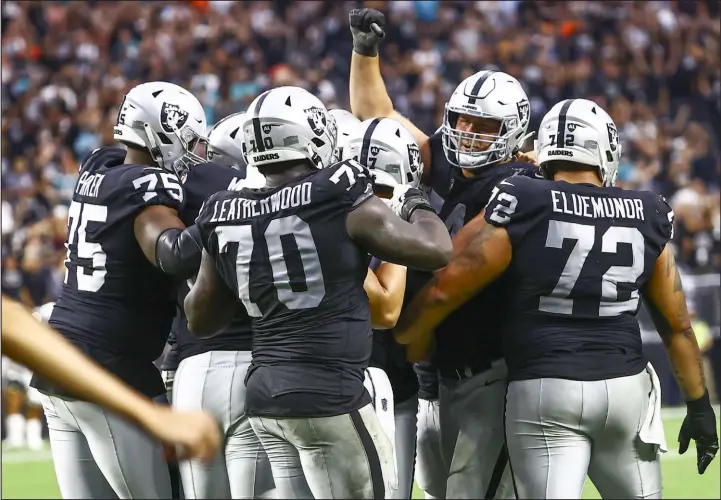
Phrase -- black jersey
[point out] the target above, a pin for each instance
(300, 276)
(114, 304)
(581, 254)
(203, 181)
(468, 339)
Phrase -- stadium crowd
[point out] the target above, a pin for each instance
(655, 66)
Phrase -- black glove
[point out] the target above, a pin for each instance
(699, 425)
(407, 200)
(366, 26)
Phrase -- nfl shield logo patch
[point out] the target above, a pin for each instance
(384, 404)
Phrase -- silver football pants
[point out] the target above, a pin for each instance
(214, 382)
(558, 431)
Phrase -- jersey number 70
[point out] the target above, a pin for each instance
(290, 226)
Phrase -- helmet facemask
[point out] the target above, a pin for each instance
(483, 148)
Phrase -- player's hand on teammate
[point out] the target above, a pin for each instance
(366, 26)
(185, 434)
(699, 425)
(406, 200)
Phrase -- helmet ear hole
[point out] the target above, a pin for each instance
(318, 142)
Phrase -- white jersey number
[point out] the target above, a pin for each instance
(290, 226)
(90, 278)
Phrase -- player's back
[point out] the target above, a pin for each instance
(202, 181)
(114, 303)
(581, 255)
(300, 276)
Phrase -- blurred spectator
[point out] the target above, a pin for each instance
(66, 65)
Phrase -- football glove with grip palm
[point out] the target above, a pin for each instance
(366, 26)
(699, 425)
(406, 200)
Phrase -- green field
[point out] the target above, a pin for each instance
(28, 474)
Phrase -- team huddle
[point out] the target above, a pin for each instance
(362, 306)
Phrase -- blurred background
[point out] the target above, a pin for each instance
(654, 65)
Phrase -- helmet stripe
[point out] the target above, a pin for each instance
(477, 87)
(256, 122)
(561, 133)
(365, 147)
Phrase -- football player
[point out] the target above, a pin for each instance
(126, 249)
(49, 354)
(211, 372)
(484, 125)
(578, 257)
(296, 254)
(389, 151)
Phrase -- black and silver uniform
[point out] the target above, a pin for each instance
(581, 255)
(203, 181)
(467, 340)
(286, 252)
(115, 305)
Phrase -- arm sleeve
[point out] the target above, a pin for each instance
(178, 252)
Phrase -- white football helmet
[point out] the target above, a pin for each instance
(225, 142)
(486, 94)
(346, 123)
(42, 313)
(289, 124)
(579, 131)
(388, 150)
(165, 119)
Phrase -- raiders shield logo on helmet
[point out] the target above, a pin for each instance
(414, 157)
(612, 136)
(172, 118)
(316, 120)
(524, 111)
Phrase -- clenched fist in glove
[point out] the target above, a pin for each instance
(366, 26)
(407, 200)
(699, 425)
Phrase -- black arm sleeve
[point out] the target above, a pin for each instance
(178, 252)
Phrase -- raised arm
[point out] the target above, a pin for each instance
(368, 95)
(666, 303)
(422, 243)
(210, 304)
(481, 253)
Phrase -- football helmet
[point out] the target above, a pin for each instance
(579, 131)
(165, 119)
(492, 95)
(225, 142)
(346, 123)
(388, 150)
(289, 124)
